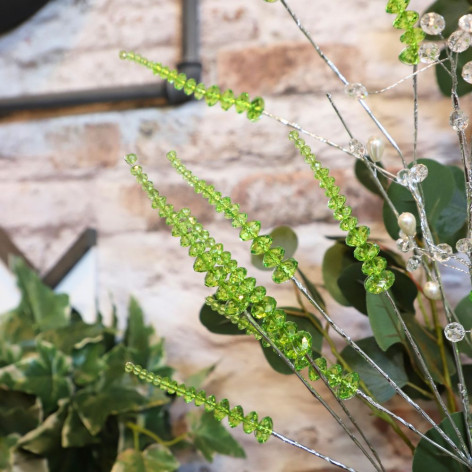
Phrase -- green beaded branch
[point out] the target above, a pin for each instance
(212, 95)
(273, 257)
(413, 36)
(374, 266)
(262, 429)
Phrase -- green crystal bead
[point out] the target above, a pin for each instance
(349, 386)
(255, 109)
(131, 159)
(136, 170)
(299, 345)
(190, 86)
(180, 390)
(349, 223)
(322, 364)
(210, 403)
(334, 375)
(223, 204)
(171, 386)
(413, 36)
(171, 76)
(227, 99)
(366, 252)
(406, 19)
(250, 422)
(342, 213)
(300, 363)
(293, 135)
(250, 230)
(380, 283)
(238, 275)
(248, 285)
(212, 95)
(397, 6)
(221, 410)
(332, 192)
(357, 236)
(239, 220)
(179, 81)
(273, 257)
(242, 103)
(263, 308)
(285, 271)
(197, 249)
(258, 294)
(235, 416)
(313, 374)
(336, 202)
(261, 244)
(203, 263)
(265, 427)
(200, 91)
(271, 1)
(200, 398)
(409, 55)
(211, 280)
(374, 266)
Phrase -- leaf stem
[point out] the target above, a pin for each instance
(140, 430)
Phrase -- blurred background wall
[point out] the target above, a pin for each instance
(62, 171)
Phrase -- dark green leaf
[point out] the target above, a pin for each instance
(282, 236)
(428, 458)
(74, 433)
(155, 458)
(210, 437)
(312, 290)
(7, 444)
(137, 335)
(88, 363)
(464, 315)
(390, 362)
(336, 259)
(44, 375)
(404, 292)
(365, 177)
(351, 284)
(196, 380)
(217, 323)
(47, 309)
(438, 190)
(311, 325)
(19, 412)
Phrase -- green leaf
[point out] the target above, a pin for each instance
(47, 309)
(404, 292)
(88, 363)
(312, 290)
(438, 190)
(196, 380)
(427, 345)
(390, 362)
(383, 321)
(464, 315)
(351, 284)
(7, 444)
(282, 236)
(45, 374)
(137, 335)
(336, 259)
(216, 323)
(19, 412)
(210, 437)
(74, 433)
(47, 436)
(16, 328)
(428, 458)
(364, 175)
(155, 458)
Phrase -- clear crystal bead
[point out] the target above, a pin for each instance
(454, 332)
(357, 148)
(413, 263)
(443, 252)
(465, 23)
(464, 245)
(459, 120)
(459, 41)
(404, 245)
(403, 177)
(432, 23)
(356, 90)
(429, 53)
(467, 72)
(418, 173)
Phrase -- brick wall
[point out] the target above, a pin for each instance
(60, 173)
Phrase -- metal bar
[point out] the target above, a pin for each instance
(66, 263)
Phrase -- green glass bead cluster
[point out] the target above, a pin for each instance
(273, 257)
(262, 429)
(374, 266)
(212, 95)
(344, 384)
(413, 36)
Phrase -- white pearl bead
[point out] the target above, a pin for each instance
(375, 148)
(407, 223)
(432, 291)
